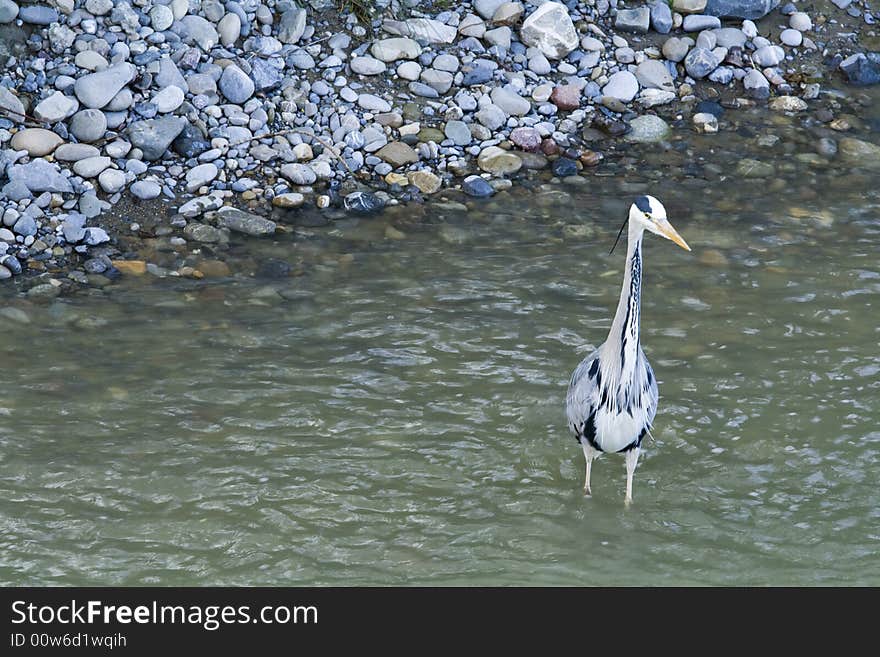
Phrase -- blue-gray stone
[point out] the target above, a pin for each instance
(73, 228)
(25, 226)
(479, 71)
(95, 236)
(38, 175)
(751, 9)
(661, 17)
(477, 186)
(95, 266)
(633, 20)
(363, 203)
(8, 11)
(16, 190)
(700, 62)
(11, 263)
(709, 107)
(265, 74)
(423, 90)
(862, 70)
(38, 15)
(300, 59)
(190, 142)
(698, 23)
(153, 136)
(236, 85)
(721, 75)
(564, 167)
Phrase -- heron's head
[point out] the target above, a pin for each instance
(649, 213)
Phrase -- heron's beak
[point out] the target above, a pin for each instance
(666, 230)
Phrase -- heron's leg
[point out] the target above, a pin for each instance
(589, 454)
(632, 458)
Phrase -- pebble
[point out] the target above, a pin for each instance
(363, 203)
(36, 141)
(549, 28)
(633, 20)
(88, 125)
(91, 166)
(168, 99)
(510, 102)
(146, 189)
(800, 21)
(235, 85)
(111, 180)
(497, 161)
(661, 17)
(768, 56)
(96, 90)
(697, 23)
(200, 175)
(648, 129)
(787, 104)
(623, 86)
(791, 37)
(458, 132)
(700, 62)
(705, 122)
(52, 109)
(367, 66)
(244, 222)
(477, 186)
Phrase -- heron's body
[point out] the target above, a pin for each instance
(612, 396)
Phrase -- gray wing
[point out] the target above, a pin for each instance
(650, 387)
(583, 392)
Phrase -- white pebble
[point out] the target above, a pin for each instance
(791, 37)
(800, 21)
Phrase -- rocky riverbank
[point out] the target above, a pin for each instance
(241, 115)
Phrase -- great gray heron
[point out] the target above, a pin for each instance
(612, 396)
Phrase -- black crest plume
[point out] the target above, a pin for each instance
(619, 233)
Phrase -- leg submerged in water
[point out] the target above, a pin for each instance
(589, 454)
(632, 458)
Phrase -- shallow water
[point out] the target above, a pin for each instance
(395, 414)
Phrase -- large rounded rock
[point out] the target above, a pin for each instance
(397, 154)
(36, 141)
(859, 153)
(235, 85)
(88, 125)
(623, 86)
(96, 90)
(740, 8)
(700, 62)
(161, 18)
(653, 74)
(550, 30)
(244, 222)
(510, 101)
(390, 50)
(367, 66)
(8, 11)
(498, 161)
(648, 129)
(199, 31)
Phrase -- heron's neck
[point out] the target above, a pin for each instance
(623, 339)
